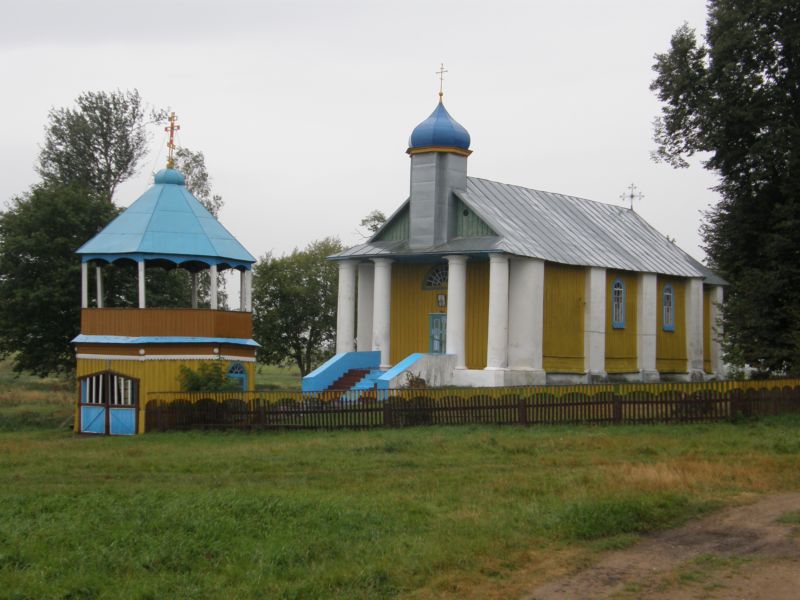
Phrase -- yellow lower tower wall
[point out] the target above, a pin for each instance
(621, 343)
(671, 345)
(564, 290)
(153, 376)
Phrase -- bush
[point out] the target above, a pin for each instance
(210, 376)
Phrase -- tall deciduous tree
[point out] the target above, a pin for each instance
(736, 98)
(98, 144)
(40, 276)
(294, 305)
(193, 166)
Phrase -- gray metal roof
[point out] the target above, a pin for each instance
(556, 228)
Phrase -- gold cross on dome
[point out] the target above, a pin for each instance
(441, 73)
(172, 128)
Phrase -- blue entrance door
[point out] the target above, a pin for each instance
(108, 404)
(438, 329)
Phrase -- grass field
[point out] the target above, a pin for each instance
(426, 512)
(271, 377)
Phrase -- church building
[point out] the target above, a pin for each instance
(479, 283)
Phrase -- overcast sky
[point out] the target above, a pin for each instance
(303, 108)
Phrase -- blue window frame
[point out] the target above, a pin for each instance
(668, 308)
(618, 304)
(238, 373)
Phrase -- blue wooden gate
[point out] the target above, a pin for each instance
(108, 404)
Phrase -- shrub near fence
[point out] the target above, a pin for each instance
(605, 403)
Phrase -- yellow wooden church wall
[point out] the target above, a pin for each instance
(621, 343)
(153, 376)
(671, 345)
(477, 331)
(707, 330)
(412, 305)
(564, 289)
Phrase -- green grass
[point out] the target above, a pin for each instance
(27, 401)
(428, 512)
(271, 377)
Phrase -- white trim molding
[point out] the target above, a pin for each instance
(138, 358)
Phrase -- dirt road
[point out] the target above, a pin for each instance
(749, 552)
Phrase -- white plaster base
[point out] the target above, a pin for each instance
(516, 377)
(436, 369)
(648, 376)
(479, 377)
(697, 375)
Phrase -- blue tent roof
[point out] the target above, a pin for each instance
(167, 223)
(439, 129)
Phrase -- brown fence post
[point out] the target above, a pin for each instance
(617, 407)
(388, 417)
(522, 410)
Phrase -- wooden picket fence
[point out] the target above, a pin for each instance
(602, 404)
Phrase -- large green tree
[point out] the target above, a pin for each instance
(294, 305)
(734, 97)
(98, 143)
(89, 150)
(40, 276)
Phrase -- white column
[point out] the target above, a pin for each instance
(497, 347)
(346, 307)
(382, 309)
(242, 290)
(98, 273)
(366, 287)
(647, 306)
(526, 315)
(212, 275)
(84, 285)
(194, 290)
(248, 290)
(594, 324)
(715, 319)
(455, 336)
(142, 302)
(694, 328)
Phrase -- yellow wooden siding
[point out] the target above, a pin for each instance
(153, 376)
(621, 343)
(477, 328)
(564, 289)
(707, 330)
(671, 345)
(411, 308)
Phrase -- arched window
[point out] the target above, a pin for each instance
(618, 304)
(436, 279)
(237, 372)
(668, 308)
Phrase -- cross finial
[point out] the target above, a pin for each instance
(631, 195)
(441, 73)
(172, 128)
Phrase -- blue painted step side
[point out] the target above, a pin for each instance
(368, 381)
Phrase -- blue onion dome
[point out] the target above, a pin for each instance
(440, 129)
(170, 176)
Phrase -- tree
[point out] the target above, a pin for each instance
(736, 98)
(373, 221)
(294, 305)
(193, 166)
(40, 276)
(98, 144)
